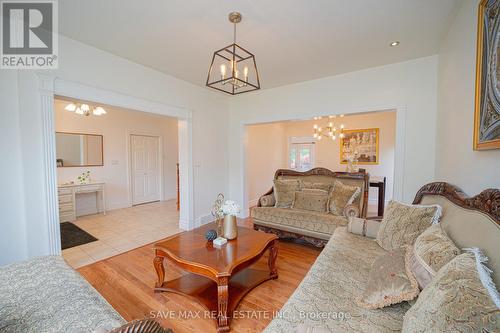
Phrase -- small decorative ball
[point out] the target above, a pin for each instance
(211, 235)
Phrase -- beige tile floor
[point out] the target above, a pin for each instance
(122, 230)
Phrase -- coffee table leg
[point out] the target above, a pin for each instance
(273, 254)
(222, 297)
(160, 270)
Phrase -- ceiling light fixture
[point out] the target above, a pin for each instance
(395, 43)
(85, 109)
(331, 129)
(224, 72)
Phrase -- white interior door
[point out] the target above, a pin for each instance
(145, 166)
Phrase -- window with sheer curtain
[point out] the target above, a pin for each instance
(301, 154)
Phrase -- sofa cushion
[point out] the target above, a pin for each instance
(284, 191)
(267, 200)
(403, 223)
(44, 294)
(341, 196)
(317, 186)
(312, 201)
(330, 288)
(390, 281)
(431, 251)
(301, 219)
(455, 301)
(434, 248)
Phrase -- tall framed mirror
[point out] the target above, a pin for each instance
(79, 150)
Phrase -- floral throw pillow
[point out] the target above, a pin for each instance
(284, 191)
(457, 299)
(389, 282)
(341, 196)
(403, 223)
(432, 250)
(312, 201)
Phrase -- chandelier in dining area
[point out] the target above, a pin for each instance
(85, 109)
(330, 130)
(233, 69)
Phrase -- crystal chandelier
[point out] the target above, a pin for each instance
(225, 73)
(85, 109)
(330, 131)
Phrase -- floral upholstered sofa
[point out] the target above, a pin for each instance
(45, 294)
(326, 299)
(307, 222)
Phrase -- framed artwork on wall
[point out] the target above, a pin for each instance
(363, 142)
(487, 104)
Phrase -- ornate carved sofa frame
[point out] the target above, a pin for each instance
(346, 259)
(361, 179)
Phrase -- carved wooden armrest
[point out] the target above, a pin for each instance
(270, 192)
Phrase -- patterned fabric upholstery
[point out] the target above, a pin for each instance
(284, 191)
(308, 220)
(331, 286)
(403, 223)
(312, 201)
(267, 200)
(431, 251)
(454, 301)
(390, 281)
(317, 186)
(434, 248)
(341, 196)
(45, 295)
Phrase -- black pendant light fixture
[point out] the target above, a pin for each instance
(233, 69)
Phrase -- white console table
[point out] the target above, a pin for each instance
(67, 194)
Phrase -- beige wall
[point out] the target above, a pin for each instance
(115, 127)
(267, 149)
(266, 152)
(456, 161)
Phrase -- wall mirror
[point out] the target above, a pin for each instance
(78, 149)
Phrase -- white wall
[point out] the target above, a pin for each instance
(409, 86)
(456, 161)
(87, 65)
(266, 152)
(267, 149)
(13, 245)
(115, 127)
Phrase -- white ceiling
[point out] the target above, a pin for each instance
(293, 40)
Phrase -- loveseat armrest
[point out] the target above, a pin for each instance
(270, 192)
(267, 200)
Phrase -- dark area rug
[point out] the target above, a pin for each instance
(72, 236)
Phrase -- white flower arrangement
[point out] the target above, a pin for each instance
(230, 208)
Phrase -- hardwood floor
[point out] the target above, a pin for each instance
(126, 281)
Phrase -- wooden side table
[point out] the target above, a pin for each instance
(379, 182)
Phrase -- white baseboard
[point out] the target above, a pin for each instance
(203, 219)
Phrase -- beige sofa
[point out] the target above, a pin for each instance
(313, 227)
(45, 295)
(325, 299)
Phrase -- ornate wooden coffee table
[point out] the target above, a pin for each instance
(218, 278)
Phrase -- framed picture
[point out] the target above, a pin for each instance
(487, 106)
(364, 142)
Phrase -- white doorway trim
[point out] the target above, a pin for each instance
(399, 151)
(131, 164)
(49, 86)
